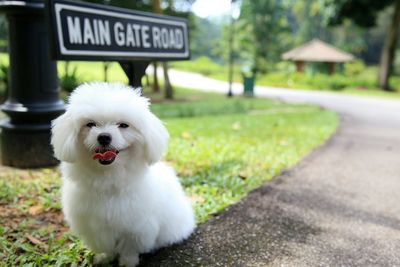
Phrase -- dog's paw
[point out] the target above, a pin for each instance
(102, 258)
(129, 260)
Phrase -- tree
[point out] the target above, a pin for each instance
(205, 35)
(168, 90)
(389, 48)
(106, 66)
(364, 13)
(268, 22)
(156, 87)
(305, 22)
(143, 5)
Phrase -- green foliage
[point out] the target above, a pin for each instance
(3, 33)
(266, 29)
(363, 12)
(309, 16)
(4, 74)
(285, 67)
(317, 81)
(220, 148)
(205, 37)
(355, 67)
(169, 7)
(269, 27)
(69, 81)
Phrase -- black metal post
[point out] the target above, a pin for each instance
(135, 70)
(33, 95)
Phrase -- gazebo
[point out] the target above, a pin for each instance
(317, 51)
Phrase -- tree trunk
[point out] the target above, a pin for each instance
(156, 6)
(299, 66)
(168, 90)
(106, 65)
(388, 50)
(156, 85)
(170, 5)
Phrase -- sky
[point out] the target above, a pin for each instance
(206, 8)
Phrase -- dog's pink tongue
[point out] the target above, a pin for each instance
(106, 155)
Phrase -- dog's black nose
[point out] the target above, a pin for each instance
(104, 139)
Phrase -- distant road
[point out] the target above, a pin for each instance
(361, 107)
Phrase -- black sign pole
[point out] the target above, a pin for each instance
(135, 71)
(33, 95)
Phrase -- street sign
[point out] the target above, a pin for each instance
(83, 31)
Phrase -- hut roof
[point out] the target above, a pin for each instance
(316, 50)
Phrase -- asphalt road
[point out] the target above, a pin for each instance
(340, 206)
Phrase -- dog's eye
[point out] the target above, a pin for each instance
(123, 125)
(90, 124)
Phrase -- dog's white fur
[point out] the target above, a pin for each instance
(135, 204)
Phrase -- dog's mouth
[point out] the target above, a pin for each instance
(105, 155)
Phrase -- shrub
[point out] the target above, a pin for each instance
(4, 70)
(285, 67)
(69, 81)
(337, 82)
(319, 81)
(354, 68)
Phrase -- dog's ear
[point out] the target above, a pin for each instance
(156, 138)
(64, 138)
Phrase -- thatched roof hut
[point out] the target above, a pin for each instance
(317, 51)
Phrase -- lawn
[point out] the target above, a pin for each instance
(86, 70)
(93, 71)
(221, 148)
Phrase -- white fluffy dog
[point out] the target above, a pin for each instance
(116, 195)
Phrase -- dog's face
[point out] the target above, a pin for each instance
(108, 123)
(104, 140)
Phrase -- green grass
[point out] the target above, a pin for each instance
(32, 232)
(86, 71)
(221, 148)
(370, 93)
(204, 66)
(93, 71)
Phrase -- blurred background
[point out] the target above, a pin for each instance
(252, 36)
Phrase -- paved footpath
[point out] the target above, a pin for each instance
(340, 206)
